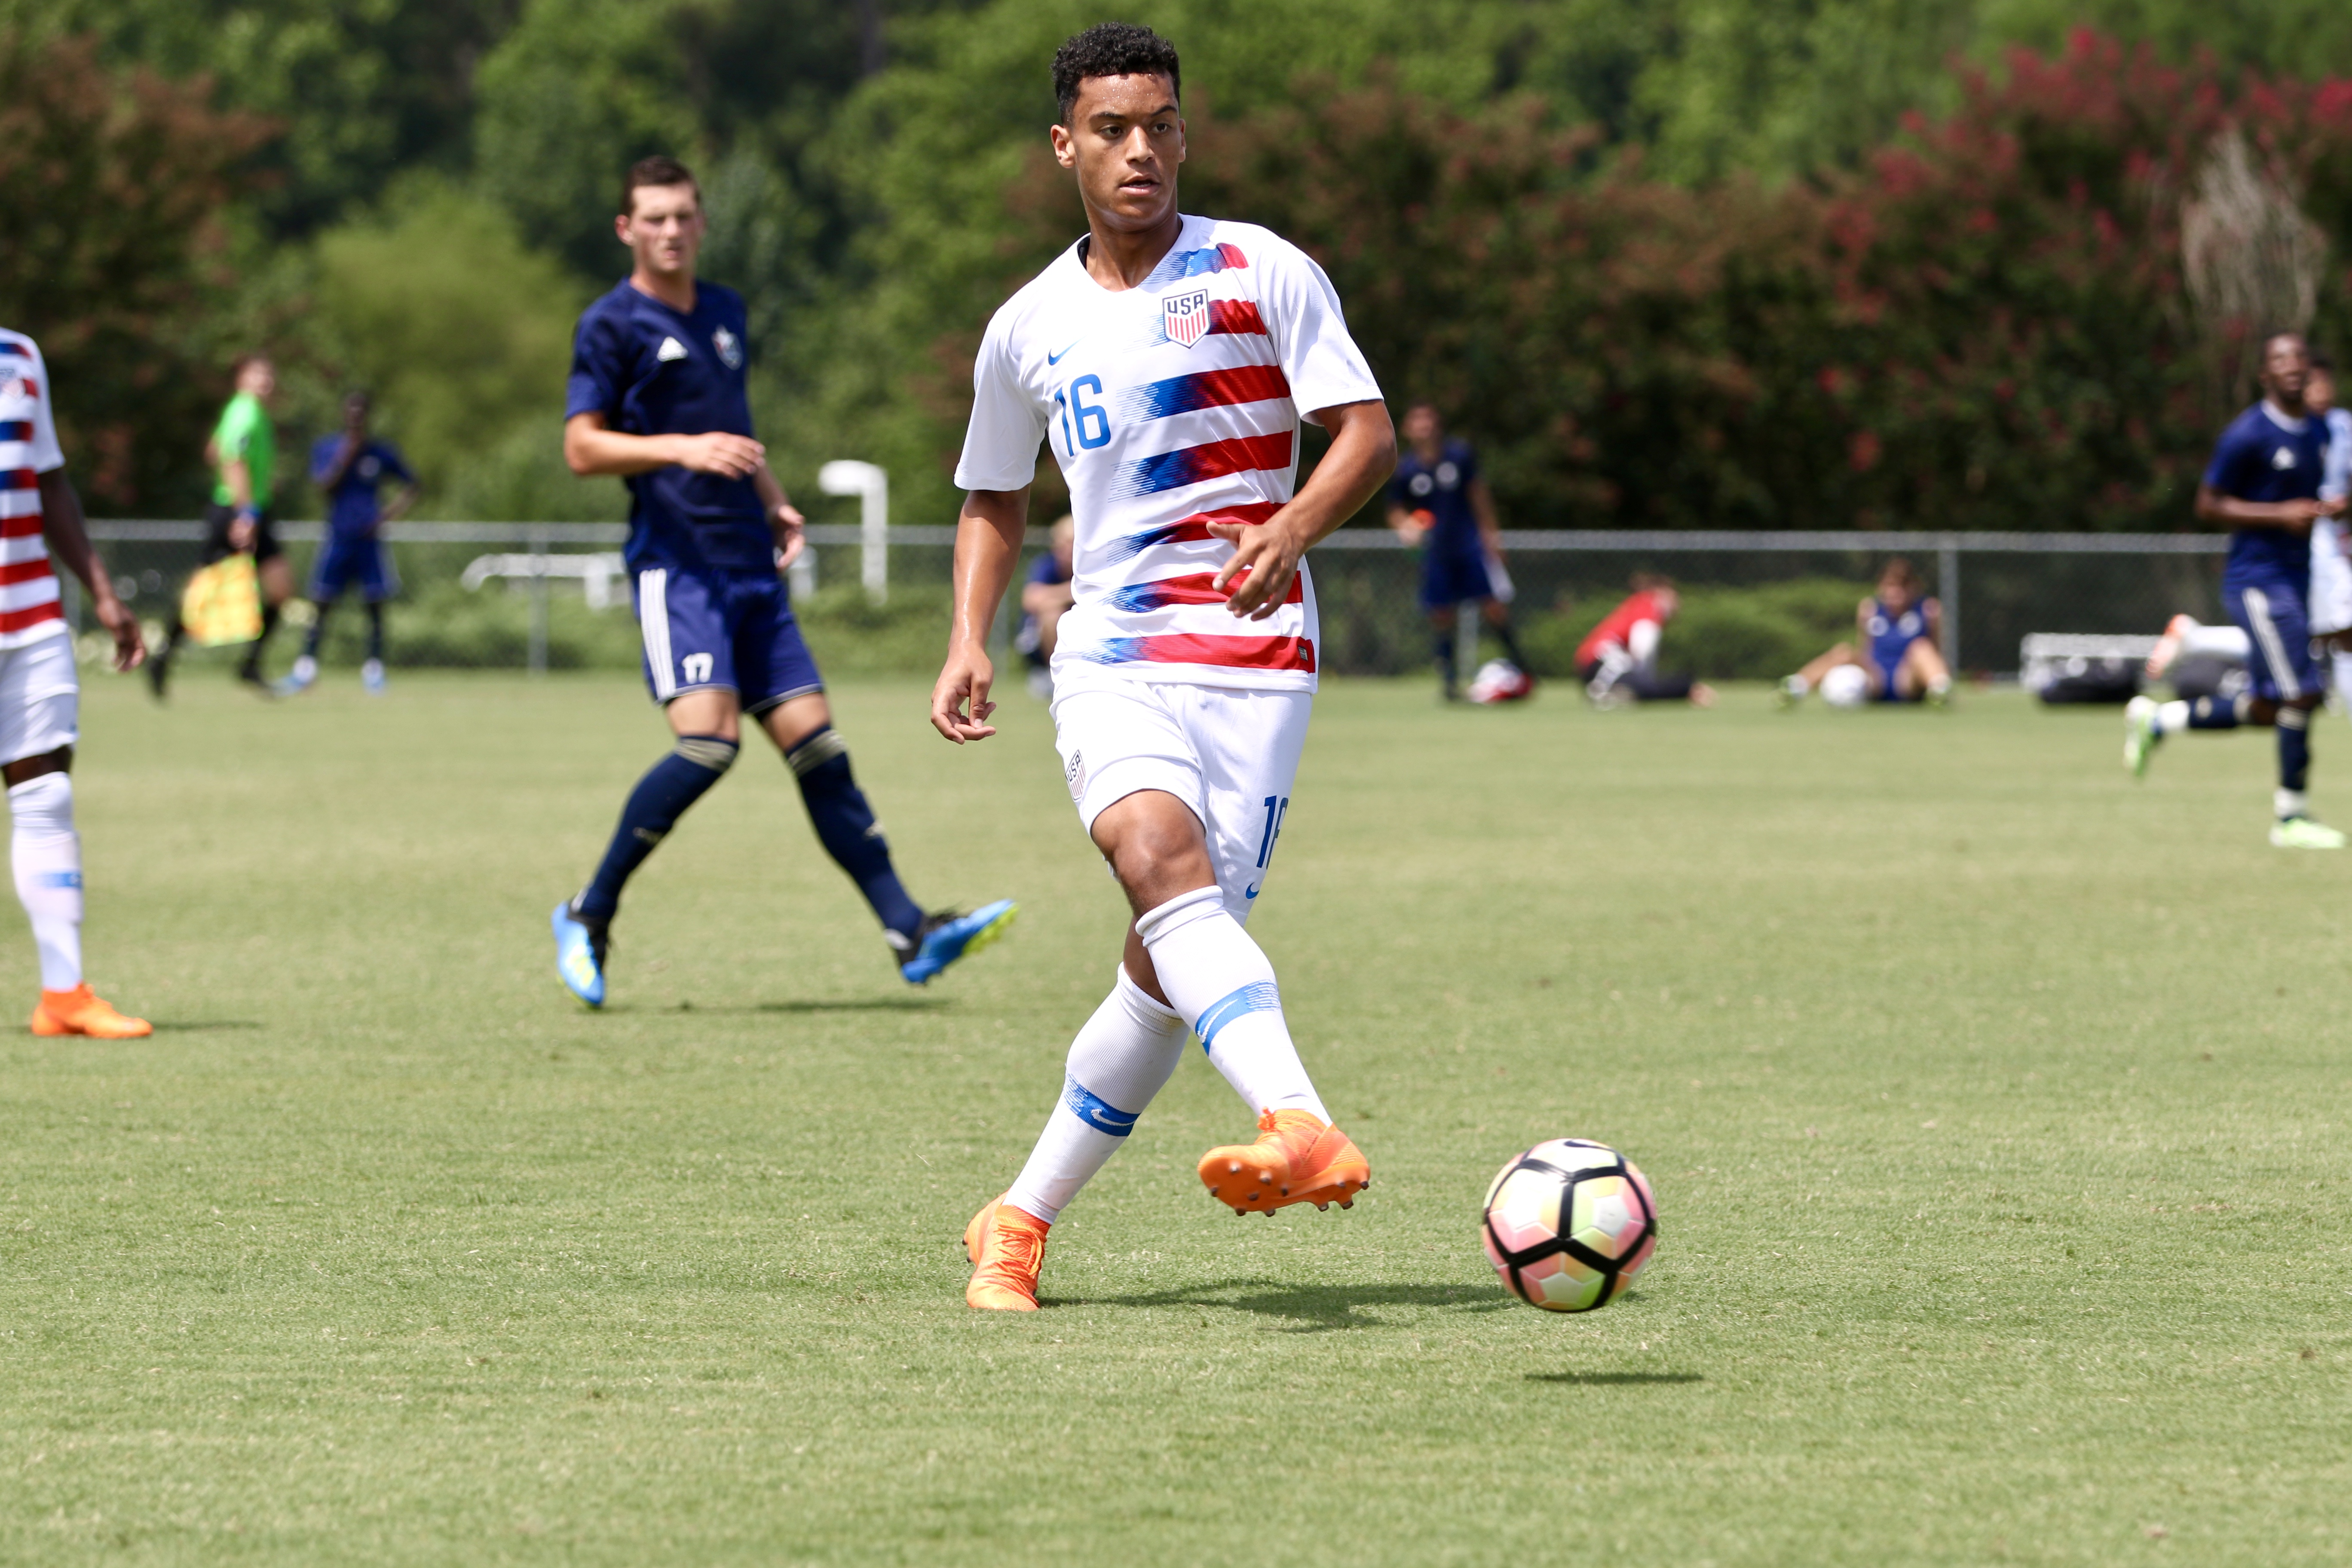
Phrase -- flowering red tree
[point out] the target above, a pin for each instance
(1986, 326)
(111, 188)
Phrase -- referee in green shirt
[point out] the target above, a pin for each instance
(243, 450)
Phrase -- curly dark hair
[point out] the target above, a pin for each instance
(1112, 48)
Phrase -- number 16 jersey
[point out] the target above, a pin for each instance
(1170, 406)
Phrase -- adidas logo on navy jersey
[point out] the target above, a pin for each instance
(671, 348)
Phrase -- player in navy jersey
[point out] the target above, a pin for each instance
(1046, 598)
(1439, 501)
(2264, 482)
(657, 398)
(352, 468)
(1895, 655)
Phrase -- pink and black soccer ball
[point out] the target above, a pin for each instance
(1568, 1224)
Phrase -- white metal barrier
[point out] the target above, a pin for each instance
(597, 572)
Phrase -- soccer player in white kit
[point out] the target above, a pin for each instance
(1166, 360)
(40, 697)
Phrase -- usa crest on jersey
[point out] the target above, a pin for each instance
(1185, 316)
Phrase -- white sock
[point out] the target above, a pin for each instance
(2171, 717)
(2287, 803)
(1217, 976)
(1797, 685)
(44, 852)
(1119, 1060)
(2343, 663)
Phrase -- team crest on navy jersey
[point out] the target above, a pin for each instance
(730, 347)
(1185, 316)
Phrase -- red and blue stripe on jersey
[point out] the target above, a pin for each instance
(29, 605)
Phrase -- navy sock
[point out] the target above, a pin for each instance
(844, 824)
(252, 666)
(375, 631)
(2213, 713)
(2294, 747)
(661, 796)
(318, 631)
(1441, 644)
(1510, 641)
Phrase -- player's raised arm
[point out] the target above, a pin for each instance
(988, 545)
(1363, 456)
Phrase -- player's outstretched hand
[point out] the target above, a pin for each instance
(960, 704)
(1265, 559)
(130, 644)
(731, 456)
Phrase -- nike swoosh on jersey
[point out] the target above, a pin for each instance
(1056, 359)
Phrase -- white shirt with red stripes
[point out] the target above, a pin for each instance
(29, 610)
(1168, 405)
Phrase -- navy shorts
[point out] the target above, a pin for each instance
(346, 562)
(1447, 580)
(2275, 621)
(722, 631)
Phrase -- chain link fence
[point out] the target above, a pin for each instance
(540, 597)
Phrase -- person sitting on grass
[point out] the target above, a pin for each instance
(1044, 598)
(1896, 653)
(1618, 659)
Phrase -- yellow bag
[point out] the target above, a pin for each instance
(222, 603)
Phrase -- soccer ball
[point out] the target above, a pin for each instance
(1500, 680)
(1568, 1224)
(1845, 687)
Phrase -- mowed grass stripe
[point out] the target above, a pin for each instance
(1994, 1104)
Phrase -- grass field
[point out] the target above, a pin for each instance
(1996, 1109)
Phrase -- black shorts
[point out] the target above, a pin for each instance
(217, 519)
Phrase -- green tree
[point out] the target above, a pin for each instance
(463, 332)
(115, 188)
(363, 88)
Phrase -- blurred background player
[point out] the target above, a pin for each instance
(2263, 481)
(1618, 659)
(2331, 567)
(657, 397)
(1897, 657)
(1439, 501)
(352, 467)
(1044, 599)
(1170, 360)
(40, 697)
(243, 450)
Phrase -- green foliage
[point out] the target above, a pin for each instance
(361, 89)
(464, 333)
(114, 193)
(569, 99)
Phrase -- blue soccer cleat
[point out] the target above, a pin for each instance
(579, 954)
(945, 937)
(298, 679)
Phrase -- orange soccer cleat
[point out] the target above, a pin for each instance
(83, 1011)
(1297, 1158)
(1007, 1248)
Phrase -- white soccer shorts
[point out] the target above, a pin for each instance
(1228, 753)
(40, 699)
(2331, 579)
